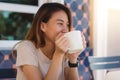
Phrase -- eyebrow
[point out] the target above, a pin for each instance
(60, 20)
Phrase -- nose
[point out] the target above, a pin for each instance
(65, 29)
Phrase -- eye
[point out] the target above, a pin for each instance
(61, 24)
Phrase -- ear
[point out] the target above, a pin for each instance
(43, 26)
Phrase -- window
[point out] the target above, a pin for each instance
(15, 20)
(14, 25)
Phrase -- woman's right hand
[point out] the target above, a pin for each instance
(61, 43)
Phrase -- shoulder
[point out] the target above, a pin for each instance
(26, 43)
(26, 54)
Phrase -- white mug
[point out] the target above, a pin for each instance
(75, 41)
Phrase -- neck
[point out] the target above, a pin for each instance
(48, 50)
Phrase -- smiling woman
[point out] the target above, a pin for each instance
(44, 52)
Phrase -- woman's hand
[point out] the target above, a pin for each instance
(61, 43)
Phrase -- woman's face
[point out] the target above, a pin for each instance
(58, 23)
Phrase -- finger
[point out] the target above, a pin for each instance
(63, 42)
(59, 35)
(60, 38)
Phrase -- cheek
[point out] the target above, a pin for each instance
(54, 34)
(54, 30)
(57, 30)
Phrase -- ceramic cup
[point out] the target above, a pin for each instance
(75, 41)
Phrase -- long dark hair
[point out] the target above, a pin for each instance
(43, 14)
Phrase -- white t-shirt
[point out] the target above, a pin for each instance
(28, 54)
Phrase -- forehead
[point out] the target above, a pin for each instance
(59, 15)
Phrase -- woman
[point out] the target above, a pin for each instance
(41, 56)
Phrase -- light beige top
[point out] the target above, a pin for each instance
(28, 54)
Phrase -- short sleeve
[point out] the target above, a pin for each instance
(26, 54)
